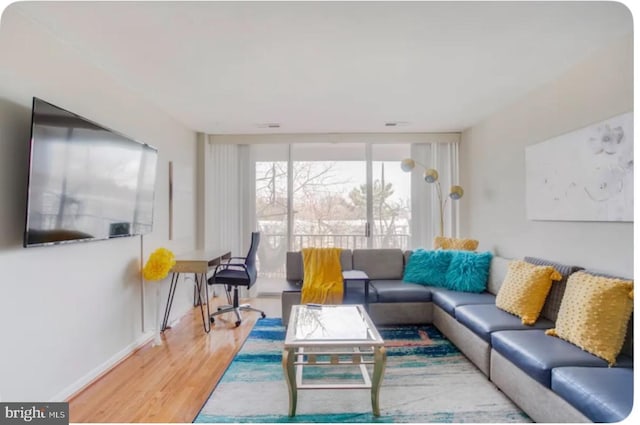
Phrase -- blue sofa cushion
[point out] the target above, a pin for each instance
(484, 319)
(602, 394)
(428, 267)
(354, 291)
(448, 300)
(397, 291)
(537, 354)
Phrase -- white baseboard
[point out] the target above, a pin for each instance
(90, 377)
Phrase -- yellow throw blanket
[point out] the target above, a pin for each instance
(322, 276)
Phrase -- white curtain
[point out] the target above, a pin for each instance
(223, 206)
(247, 195)
(425, 222)
(230, 194)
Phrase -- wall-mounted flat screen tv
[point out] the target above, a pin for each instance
(86, 182)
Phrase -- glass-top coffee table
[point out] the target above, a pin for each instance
(332, 335)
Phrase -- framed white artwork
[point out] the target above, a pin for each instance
(584, 175)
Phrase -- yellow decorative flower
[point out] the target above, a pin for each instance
(159, 264)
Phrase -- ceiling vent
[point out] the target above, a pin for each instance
(396, 124)
(268, 125)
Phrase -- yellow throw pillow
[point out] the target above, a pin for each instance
(525, 289)
(594, 314)
(454, 243)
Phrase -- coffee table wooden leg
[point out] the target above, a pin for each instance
(288, 357)
(379, 364)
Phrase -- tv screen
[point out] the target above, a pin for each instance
(86, 182)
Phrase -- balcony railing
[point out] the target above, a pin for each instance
(273, 247)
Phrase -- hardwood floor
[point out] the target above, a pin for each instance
(170, 382)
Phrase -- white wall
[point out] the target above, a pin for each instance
(68, 312)
(493, 172)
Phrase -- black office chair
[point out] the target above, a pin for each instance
(236, 273)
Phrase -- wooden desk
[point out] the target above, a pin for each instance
(198, 263)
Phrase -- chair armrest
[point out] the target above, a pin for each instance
(230, 260)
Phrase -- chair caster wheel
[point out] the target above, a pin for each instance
(212, 320)
(263, 315)
(238, 323)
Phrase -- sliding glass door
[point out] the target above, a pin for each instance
(329, 196)
(271, 167)
(345, 195)
(391, 197)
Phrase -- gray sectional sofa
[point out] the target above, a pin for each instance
(549, 379)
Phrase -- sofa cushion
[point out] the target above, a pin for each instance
(497, 273)
(295, 267)
(601, 394)
(407, 254)
(537, 354)
(292, 286)
(552, 304)
(525, 290)
(484, 319)
(468, 271)
(379, 263)
(594, 314)
(428, 267)
(448, 300)
(397, 291)
(354, 293)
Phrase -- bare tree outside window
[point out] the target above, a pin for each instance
(329, 209)
(391, 215)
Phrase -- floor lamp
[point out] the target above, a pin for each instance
(431, 176)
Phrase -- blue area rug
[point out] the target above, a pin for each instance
(426, 380)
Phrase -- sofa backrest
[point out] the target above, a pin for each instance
(552, 303)
(407, 255)
(497, 272)
(295, 267)
(379, 263)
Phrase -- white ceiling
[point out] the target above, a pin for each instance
(318, 67)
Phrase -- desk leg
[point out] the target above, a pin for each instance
(379, 364)
(206, 300)
(201, 280)
(288, 358)
(172, 292)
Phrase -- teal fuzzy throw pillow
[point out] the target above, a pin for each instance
(468, 271)
(428, 267)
